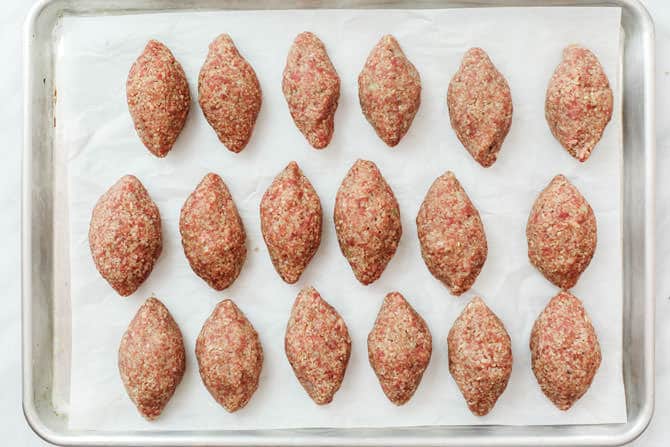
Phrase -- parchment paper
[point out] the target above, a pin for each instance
(93, 124)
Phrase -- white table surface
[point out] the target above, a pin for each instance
(13, 429)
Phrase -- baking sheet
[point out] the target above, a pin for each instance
(93, 58)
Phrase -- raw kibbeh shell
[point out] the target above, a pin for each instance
(451, 234)
(151, 358)
(565, 352)
(561, 233)
(212, 233)
(389, 90)
(579, 102)
(230, 356)
(158, 98)
(291, 221)
(399, 348)
(125, 235)
(367, 221)
(229, 93)
(480, 356)
(311, 87)
(480, 106)
(317, 345)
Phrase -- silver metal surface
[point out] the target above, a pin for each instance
(44, 277)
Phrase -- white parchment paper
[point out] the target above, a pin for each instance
(94, 127)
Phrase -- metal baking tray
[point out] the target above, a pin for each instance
(45, 270)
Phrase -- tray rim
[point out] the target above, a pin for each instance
(611, 434)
